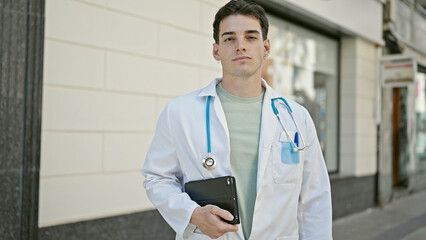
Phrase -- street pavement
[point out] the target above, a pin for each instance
(402, 219)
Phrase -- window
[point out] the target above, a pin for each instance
(303, 67)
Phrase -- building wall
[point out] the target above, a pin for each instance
(21, 62)
(408, 25)
(110, 68)
(345, 15)
(358, 129)
(353, 188)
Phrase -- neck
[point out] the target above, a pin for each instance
(243, 87)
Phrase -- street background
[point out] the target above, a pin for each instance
(403, 219)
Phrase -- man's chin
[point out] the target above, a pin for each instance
(245, 74)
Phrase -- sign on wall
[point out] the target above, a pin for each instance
(398, 70)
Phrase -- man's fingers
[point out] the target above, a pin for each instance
(222, 213)
(234, 228)
(209, 219)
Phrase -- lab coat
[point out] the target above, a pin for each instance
(293, 200)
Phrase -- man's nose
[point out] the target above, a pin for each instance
(240, 46)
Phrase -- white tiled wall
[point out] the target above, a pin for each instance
(75, 198)
(110, 68)
(71, 154)
(187, 48)
(150, 76)
(125, 157)
(73, 65)
(358, 143)
(86, 110)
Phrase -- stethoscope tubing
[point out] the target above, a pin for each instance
(209, 146)
(290, 112)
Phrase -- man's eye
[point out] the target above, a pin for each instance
(227, 39)
(252, 37)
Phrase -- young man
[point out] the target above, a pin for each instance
(283, 193)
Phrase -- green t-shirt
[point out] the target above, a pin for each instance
(243, 116)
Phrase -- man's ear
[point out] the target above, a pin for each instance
(216, 52)
(267, 47)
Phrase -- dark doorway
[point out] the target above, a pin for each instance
(400, 153)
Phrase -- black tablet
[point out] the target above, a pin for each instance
(220, 191)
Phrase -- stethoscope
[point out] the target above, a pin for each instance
(208, 161)
(294, 142)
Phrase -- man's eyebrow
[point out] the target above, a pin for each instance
(246, 32)
(252, 31)
(227, 33)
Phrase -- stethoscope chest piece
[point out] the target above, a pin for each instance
(209, 163)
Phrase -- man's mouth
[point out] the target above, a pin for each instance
(241, 58)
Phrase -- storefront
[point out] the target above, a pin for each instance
(402, 152)
(403, 147)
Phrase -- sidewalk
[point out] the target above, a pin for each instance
(402, 219)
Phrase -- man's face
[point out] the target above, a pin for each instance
(241, 48)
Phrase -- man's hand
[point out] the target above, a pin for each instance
(208, 220)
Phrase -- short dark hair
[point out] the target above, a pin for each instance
(247, 8)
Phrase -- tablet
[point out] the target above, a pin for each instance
(220, 191)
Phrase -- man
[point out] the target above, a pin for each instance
(283, 193)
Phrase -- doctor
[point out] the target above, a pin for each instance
(231, 127)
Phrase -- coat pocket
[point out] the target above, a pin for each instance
(285, 163)
(288, 155)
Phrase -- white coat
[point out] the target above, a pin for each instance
(293, 200)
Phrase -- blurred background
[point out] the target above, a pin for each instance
(82, 83)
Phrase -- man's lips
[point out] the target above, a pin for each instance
(241, 58)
